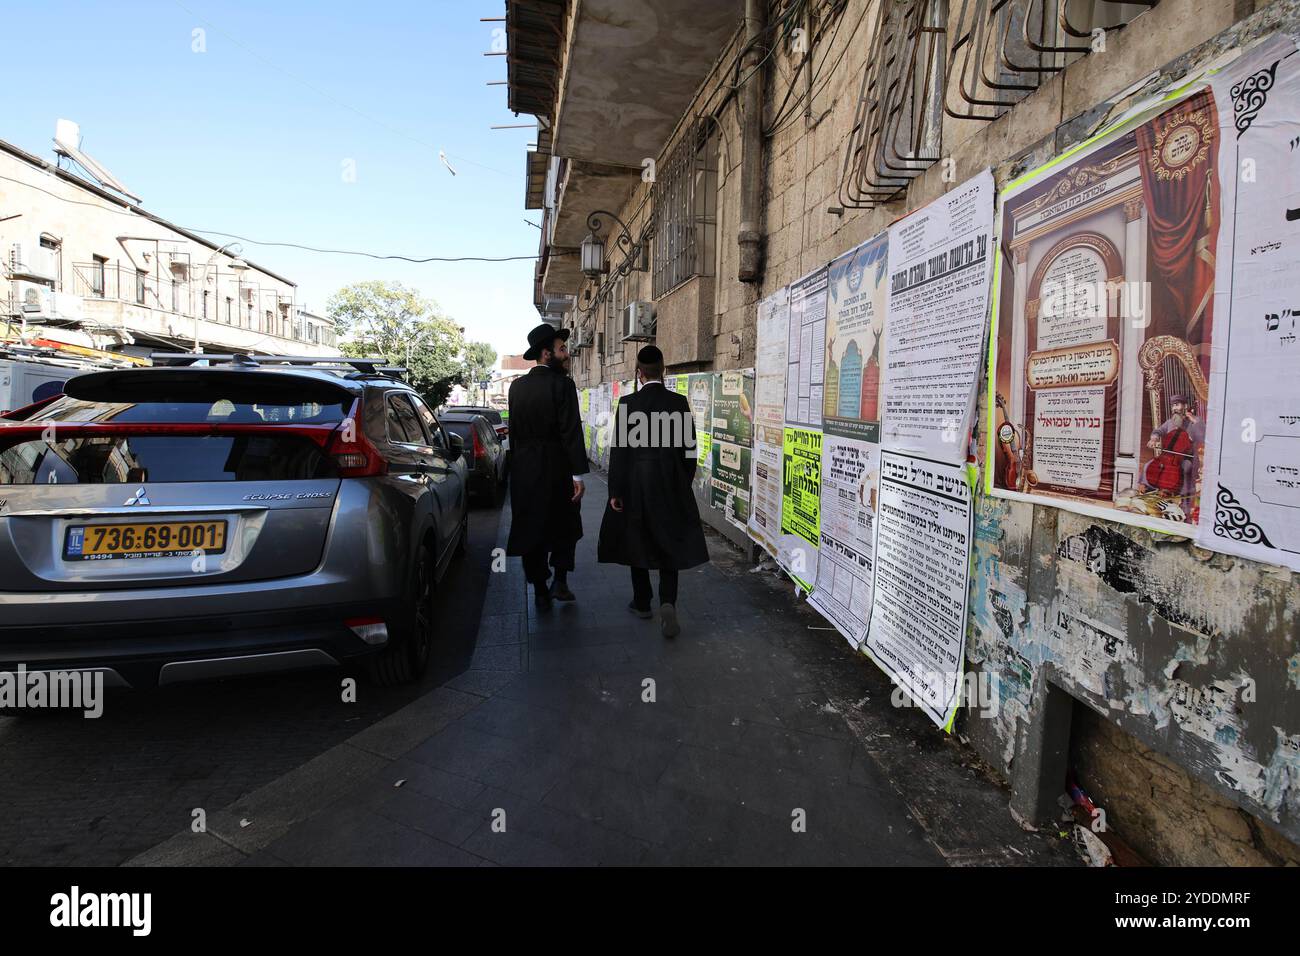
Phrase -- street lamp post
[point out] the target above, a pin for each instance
(411, 341)
(237, 265)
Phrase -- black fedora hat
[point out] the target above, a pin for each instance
(543, 337)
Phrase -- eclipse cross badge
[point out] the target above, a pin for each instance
(139, 498)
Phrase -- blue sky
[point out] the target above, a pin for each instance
(251, 136)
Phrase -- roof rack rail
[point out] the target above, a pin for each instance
(368, 365)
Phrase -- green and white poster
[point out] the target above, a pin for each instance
(699, 392)
(733, 438)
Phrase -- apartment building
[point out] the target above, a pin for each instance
(88, 266)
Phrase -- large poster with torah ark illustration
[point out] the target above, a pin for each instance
(1100, 356)
(1252, 446)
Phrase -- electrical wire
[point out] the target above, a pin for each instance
(848, 44)
(132, 210)
(781, 115)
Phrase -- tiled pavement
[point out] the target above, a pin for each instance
(581, 736)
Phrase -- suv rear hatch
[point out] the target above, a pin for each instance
(150, 477)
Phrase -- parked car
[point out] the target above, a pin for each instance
(192, 521)
(495, 416)
(484, 455)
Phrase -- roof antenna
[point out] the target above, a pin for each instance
(67, 142)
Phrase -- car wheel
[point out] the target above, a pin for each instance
(406, 657)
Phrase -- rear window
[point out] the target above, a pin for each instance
(176, 458)
(217, 411)
(463, 429)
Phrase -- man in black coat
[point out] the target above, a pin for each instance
(652, 520)
(547, 461)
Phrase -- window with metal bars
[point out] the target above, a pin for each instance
(686, 211)
(614, 306)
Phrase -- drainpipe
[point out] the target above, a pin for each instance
(750, 237)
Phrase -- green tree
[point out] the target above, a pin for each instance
(479, 359)
(387, 319)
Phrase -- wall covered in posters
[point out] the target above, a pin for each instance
(1251, 474)
(1100, 360)
(733, 438)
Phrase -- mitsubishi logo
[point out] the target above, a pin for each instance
(139, 498)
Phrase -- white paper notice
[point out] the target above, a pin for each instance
(769, 410)
(850, 470)
(1250, 488)
(806, 360)
(922, 563)
(939, 275)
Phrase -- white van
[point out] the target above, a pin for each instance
(24, 379)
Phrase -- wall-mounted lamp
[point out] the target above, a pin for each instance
(592, 255)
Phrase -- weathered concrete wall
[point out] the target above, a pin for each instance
(1185, 661)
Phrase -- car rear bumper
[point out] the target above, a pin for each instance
(161, 651)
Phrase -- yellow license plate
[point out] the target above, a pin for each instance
(99, 542)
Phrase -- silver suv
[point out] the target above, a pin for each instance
(225, 515)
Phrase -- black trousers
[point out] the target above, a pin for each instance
(642, 593)
(537, 563)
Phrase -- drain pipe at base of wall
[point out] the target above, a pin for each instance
(750, 236)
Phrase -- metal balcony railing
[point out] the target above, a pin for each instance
(116, 282)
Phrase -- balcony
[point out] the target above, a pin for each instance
(630, 70)
(611, 80)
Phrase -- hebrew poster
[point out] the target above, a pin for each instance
(1099, 361)
(1252, 445)
(922, 563)
(855, 325)
(939, 262)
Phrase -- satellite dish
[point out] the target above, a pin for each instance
(67, 142)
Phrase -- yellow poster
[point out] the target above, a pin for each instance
(801, 483)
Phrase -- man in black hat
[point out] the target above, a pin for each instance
(652, 520)
(547, 461)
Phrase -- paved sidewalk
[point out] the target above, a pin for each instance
(761, 716)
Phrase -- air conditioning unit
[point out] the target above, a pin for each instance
(33, 299)
(639, 322)
(35, 261)
(581, 340)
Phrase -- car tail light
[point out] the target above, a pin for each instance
(372, 630)
(479, 450)
(354, 453)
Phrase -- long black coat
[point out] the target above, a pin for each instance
(546, 451)
(659, 526)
